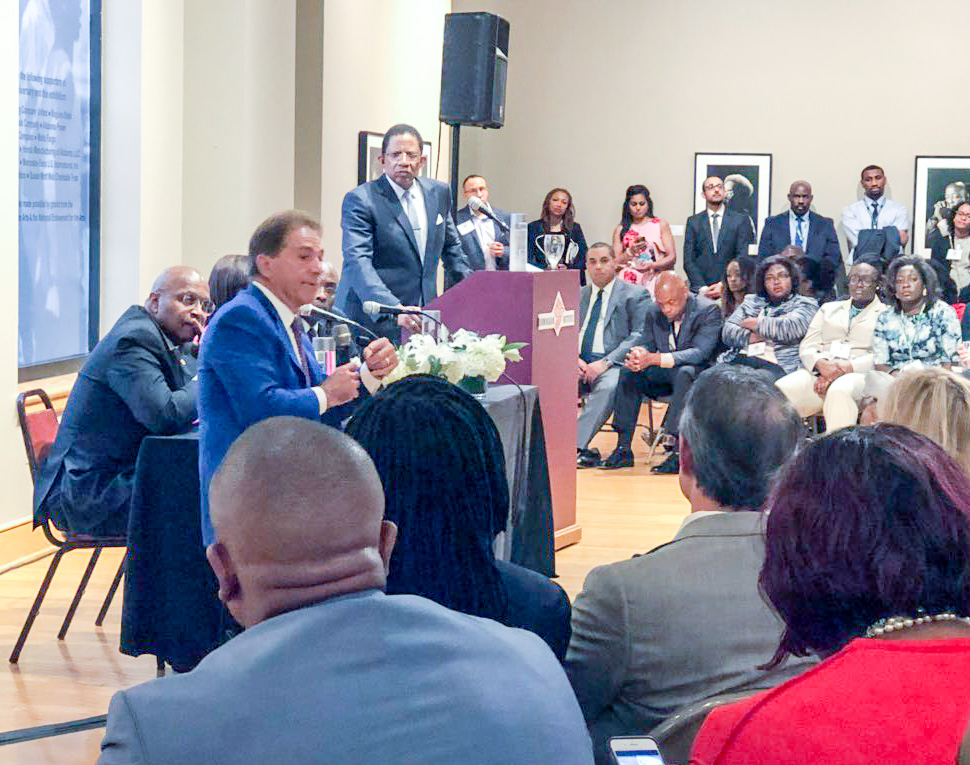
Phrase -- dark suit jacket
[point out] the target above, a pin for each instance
(474, 256)
(538, 604)
(702, 264)
(626, 311)
(381, 259)
(699, 332)
(822, 249)
(248, 371)
(132, 385)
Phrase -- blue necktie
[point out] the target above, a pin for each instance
(586, 351)
(875, 215)
(799, 236)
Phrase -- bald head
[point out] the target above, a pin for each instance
(298, 511)
(179, 302)
(800, 197)
(671, 294)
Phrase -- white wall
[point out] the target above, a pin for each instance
(237, 160)
(382, 65)
(602, 95)
(13, 461)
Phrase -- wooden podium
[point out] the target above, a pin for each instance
(541, 309)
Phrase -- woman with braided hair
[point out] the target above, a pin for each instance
(442, 466)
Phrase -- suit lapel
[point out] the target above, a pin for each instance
(814, 231)
(396, 211)
(611, 304)
(706, 229)
(281, 330)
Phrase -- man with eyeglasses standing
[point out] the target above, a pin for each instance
(836, 353)
(134, 383)
(712, 238)
(395, 232)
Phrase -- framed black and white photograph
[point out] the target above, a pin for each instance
(747, 183)
(369, 157)
(942, 184)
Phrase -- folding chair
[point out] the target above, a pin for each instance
(39, 430)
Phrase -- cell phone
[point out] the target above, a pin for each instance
(635, 750)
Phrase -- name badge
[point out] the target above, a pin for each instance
(752, 249)
(841, 350)
(756, 349)
(954, 254)
(466, 228)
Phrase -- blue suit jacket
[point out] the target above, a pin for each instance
(381, 259)
(821, 250)
(248, 371)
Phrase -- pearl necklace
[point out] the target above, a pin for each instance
(896, 623)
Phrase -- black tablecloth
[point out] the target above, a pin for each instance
(170, 605)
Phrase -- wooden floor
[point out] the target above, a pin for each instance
(621, 512)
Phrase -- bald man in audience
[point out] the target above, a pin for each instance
(135, 383)
(329, 668)
(686, 620)
(676, 344)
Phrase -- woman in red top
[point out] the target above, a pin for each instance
(867, 560)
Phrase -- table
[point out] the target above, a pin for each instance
(170, 605)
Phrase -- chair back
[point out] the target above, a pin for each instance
(39, 428)
(676, 734)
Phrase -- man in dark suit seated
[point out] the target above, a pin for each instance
(686, 621)
(486, 244)
(712, 238)
(395, 232)
(329, 667)
(677, 342)
(814, 234)
(256, 360)
(135, 383)
(612, 313)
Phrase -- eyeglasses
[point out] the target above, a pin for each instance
(397, 156)
(191, 300)
(861, 281)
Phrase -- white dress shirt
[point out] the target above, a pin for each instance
(485, 230)
(417, 200)
(286, 316)
(858, 216)
(598, 347)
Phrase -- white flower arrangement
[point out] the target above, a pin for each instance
(463, 355)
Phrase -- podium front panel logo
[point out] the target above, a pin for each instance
(558, 317)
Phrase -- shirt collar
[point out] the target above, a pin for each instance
(695, 516)
(794, 218)
(607, 290)
(400, 191)
(282, 310)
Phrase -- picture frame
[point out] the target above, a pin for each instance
(940, 182)
(369, 152)
(748, 192)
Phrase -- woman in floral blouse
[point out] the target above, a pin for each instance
(765, 330)
(920, 327)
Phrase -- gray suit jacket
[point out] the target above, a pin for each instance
(362, 678)
(625, 314)
(381, 259)
(674, 626)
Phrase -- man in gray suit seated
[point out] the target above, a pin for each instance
(612, 313)
(686, 621)
(329, 668)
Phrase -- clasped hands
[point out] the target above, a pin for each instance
(828, 372)
(639, 358)
(344, 384)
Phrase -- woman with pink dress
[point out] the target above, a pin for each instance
(643, 244)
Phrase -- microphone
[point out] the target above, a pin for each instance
(477, 205)
(344, 342)
(319, 314)
(373, 309)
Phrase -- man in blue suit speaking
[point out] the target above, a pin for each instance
(395, 231)
(256, 360)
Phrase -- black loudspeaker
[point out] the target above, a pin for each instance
(474, 68)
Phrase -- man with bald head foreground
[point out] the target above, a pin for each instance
(676, 344)
(329, 668)
(133, 384)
